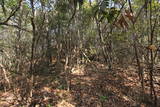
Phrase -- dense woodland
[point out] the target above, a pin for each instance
(79, 53)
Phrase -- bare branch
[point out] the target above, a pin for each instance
(12, 13)
(145, 4)
(74, 12)
(130, 6)
(16, 26)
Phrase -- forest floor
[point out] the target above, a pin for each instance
(91, 86)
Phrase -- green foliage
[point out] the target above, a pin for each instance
(103, 98)
(120, 37)
(43, 2)
(61, 12)
(61, 87)
(26, 7)
(112, 14)
(11, 3)
(104, 5)
(156, 4)
(49, 105)
(92, 50)
(105, 11)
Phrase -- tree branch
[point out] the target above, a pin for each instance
(15, 26)
(145, 4)
(13, 12)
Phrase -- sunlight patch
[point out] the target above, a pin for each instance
(77, 70)
(64, 103)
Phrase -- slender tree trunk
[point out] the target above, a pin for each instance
(151, 66)
(140, 69)
(32, 51)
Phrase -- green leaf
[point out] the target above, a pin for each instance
(11, 3)
(49, 105)
(103, 98)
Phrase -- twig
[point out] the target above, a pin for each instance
(15, 26)
(74, 13)
(145, 4)
(13, 12)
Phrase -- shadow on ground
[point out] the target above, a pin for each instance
(91, 86)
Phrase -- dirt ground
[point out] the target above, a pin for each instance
(91, 86)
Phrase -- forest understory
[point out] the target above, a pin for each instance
(91, 85)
